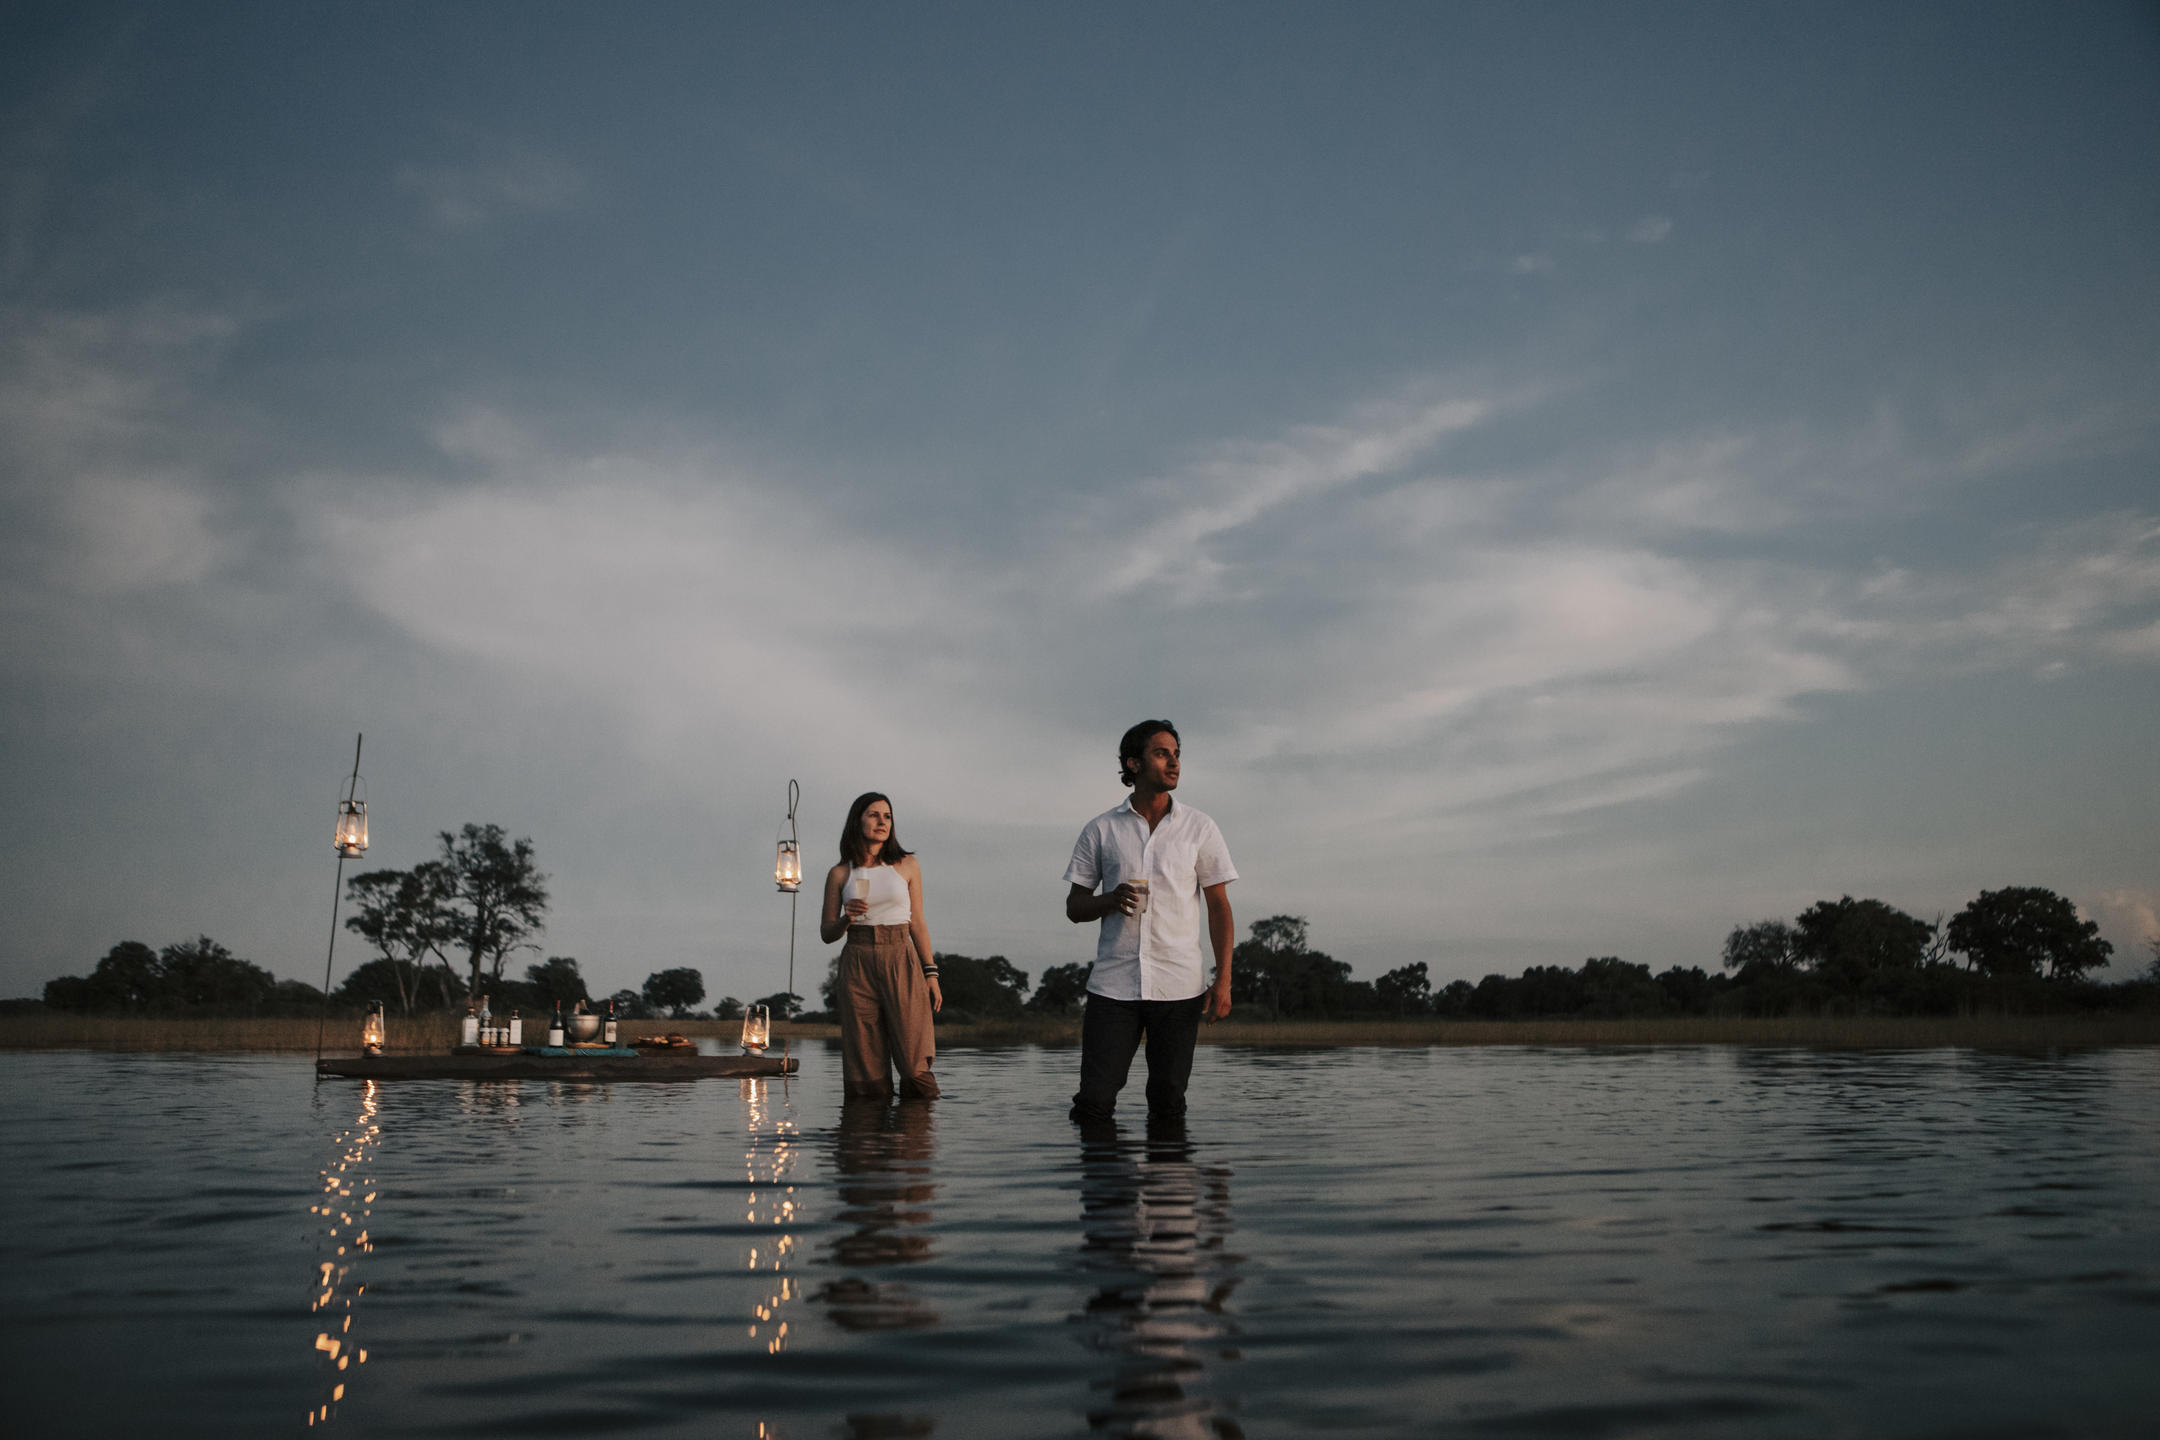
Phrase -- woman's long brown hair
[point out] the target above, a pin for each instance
(852, 849)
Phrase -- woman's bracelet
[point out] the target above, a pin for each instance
(930, 972)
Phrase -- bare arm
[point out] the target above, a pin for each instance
(919, 928)
(1222, 930)
(832, 919)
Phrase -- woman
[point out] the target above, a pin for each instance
(888, 979)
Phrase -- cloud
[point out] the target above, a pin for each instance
(105, 442)
(464, 198)
(1236, 484)
(1650, 230)
(2130, 918)
(1454, 660)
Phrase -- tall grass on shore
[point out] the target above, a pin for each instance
(430, 1034)
(433, 1034)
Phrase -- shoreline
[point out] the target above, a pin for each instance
(435, 1033)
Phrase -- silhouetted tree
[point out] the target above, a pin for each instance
(727, 1007)
(986, 989)
(1061, 990)
(128, 978)
(675, 991)
(2024, 931)
(384, 980)
(1407, 989)
(556, 981)
(1868, 954)
(498, 897)
(406, 916)
(1454, 999)
(1765, 945)
(782, 1004)
(202, 974)
(1690, 991)
(1613, 988)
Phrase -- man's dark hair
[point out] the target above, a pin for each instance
(852, 849)
(1135, 744)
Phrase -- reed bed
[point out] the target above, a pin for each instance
(429, 1034)
(438, 1032)
(1988, 1032)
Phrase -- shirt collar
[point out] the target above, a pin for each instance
(1127, 807)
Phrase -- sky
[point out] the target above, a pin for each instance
(1580, 477)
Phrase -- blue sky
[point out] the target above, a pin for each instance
(1581, 476)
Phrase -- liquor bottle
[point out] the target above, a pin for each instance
(469, 1027)
(607, 1031)
(517, 1028)
(487, 1023)
(555, 1030)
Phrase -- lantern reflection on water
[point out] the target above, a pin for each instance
(767, 1166)
(346, 1202)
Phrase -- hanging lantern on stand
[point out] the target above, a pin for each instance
(349, 838)
(787, 876)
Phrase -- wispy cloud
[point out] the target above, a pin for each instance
(106, 442)
(1165, 536)
(468, 197)
(1463, 667)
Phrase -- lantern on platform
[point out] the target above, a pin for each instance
(371, 1029)
(756, 1029)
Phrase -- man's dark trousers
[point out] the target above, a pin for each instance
(1111, 1031)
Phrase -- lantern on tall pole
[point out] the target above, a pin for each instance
(787, 878)
(349, 838)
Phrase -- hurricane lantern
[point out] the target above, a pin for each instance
(351, 827)
(371, 1029)
(787, 868)
(756, 1029)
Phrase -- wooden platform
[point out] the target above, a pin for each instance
(548, 1067)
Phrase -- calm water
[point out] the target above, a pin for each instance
(1436, 1242)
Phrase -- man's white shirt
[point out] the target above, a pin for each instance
(1155, 956)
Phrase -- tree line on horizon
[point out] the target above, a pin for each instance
(2021, 949)
(482, 899)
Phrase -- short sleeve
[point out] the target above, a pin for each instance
(1086, 866)
(1212, 865)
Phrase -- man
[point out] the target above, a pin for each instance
(1148, 870)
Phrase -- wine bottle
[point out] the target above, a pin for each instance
(607, 1031)
(555, 1028)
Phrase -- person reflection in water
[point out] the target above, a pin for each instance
(883, 1155)
(888, 988)
(1149, 870)
(1153, 1225)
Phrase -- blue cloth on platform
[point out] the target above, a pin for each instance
(564, 1052)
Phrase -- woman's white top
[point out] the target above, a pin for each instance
(888, 896)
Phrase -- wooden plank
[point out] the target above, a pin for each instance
(535, 1067)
